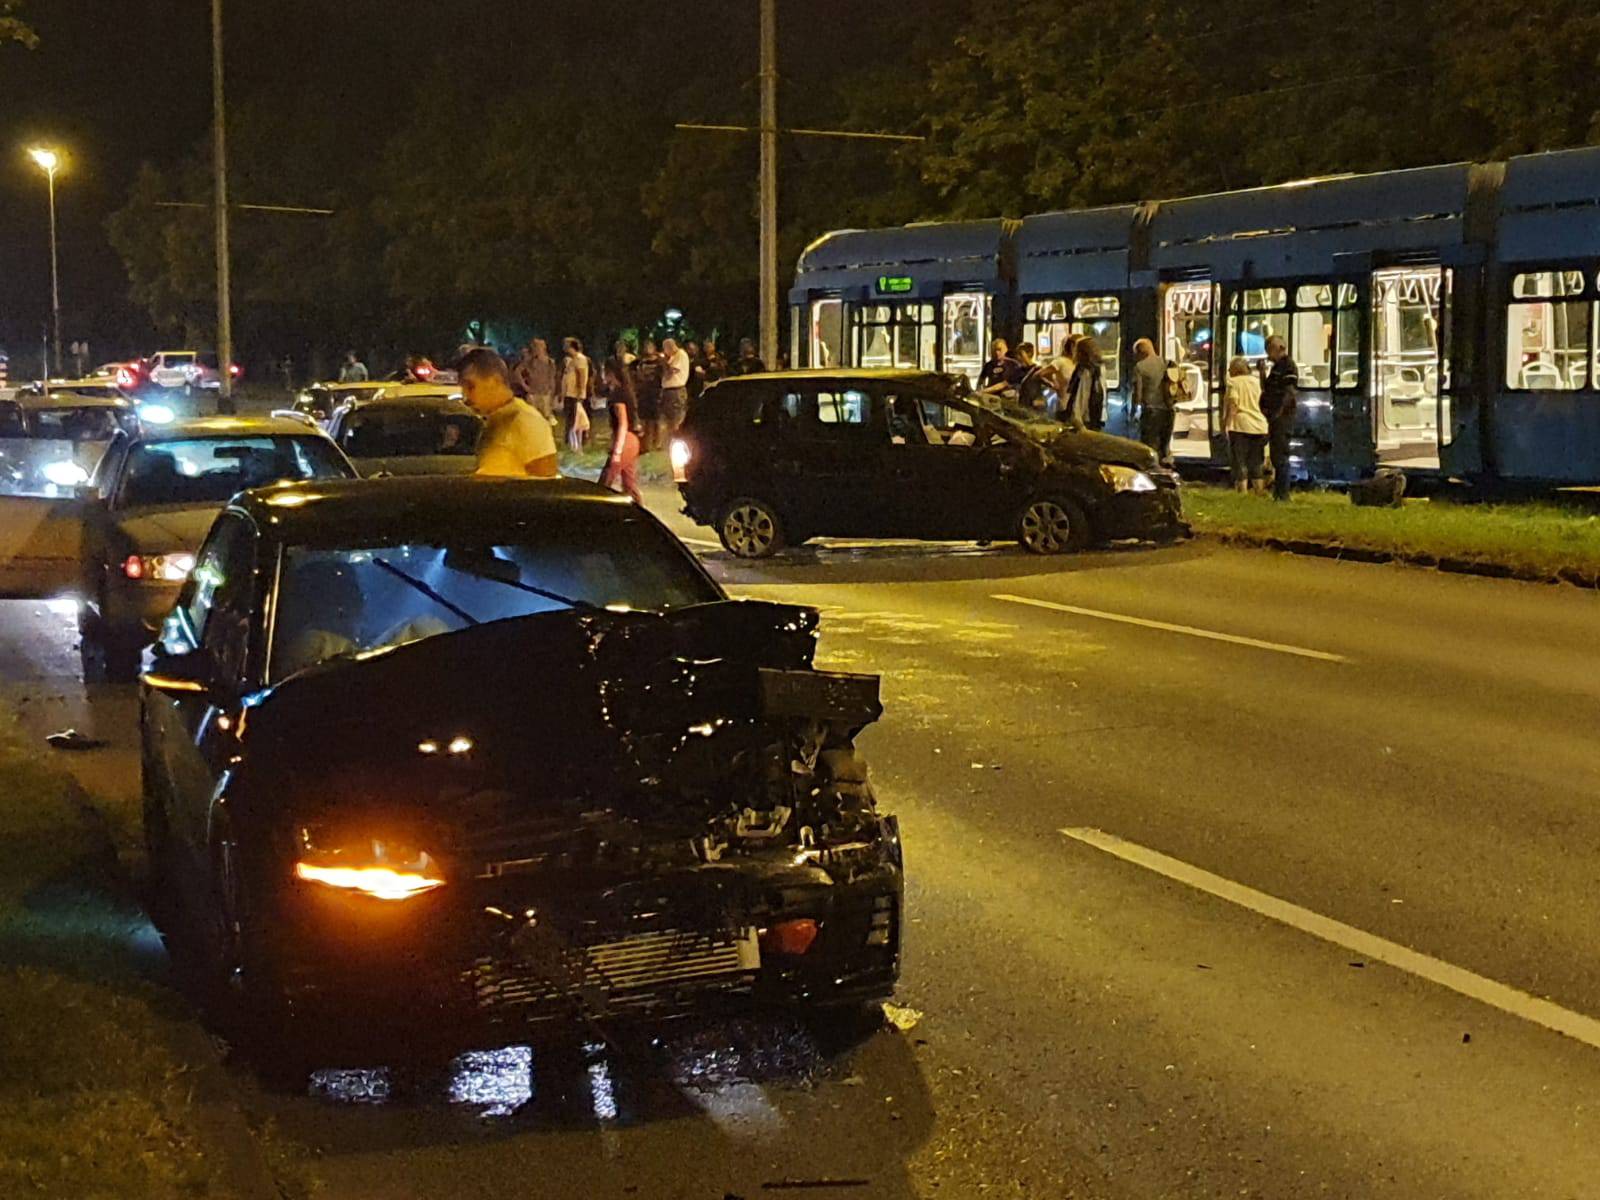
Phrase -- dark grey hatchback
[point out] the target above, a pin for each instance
(772, 460)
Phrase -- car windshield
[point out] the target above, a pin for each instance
(404, 433)
(194, 471)
(338, 602)
(1010, 411)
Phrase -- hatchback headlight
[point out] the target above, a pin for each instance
(382, 869)
(1127, 479)
(678, 454)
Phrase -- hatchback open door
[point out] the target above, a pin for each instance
(41, 546)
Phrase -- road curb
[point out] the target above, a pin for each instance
(1365, 554)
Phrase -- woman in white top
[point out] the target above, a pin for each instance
(1245, 426)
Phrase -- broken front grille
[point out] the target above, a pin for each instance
(627, 972)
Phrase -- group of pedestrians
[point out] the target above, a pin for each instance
(1069, 387)
(1257, 413)
(646, 393)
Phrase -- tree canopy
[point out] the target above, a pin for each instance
(563, 199)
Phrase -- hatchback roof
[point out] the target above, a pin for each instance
(851, 374)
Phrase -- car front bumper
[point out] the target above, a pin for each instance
(1157, 514)
(524, 950)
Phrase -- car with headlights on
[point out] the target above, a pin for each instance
(775, 459)
(52, 440)
(408, 433)
(444, 754)
(124, 542)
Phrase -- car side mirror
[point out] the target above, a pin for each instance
(191, 674)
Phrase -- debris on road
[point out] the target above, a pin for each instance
(902, 1018)
(72, 739)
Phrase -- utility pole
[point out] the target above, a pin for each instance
(219, 167)
(769, 183)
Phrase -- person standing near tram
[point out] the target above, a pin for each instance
(1279, 391)
(1152, 401)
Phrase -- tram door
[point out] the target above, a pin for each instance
(1188, 339)
(1410, 366)
(827, 334)
(965, 333)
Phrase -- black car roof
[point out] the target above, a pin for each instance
(316, 510)
(444, 401)
(843, 374)
(249, 426)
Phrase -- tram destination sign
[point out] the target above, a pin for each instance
(895, 285)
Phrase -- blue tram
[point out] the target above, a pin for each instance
(1445, 319)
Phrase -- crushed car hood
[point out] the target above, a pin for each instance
(658, 717)
(1100, 448)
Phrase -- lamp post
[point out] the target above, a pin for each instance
(49, 162)
(219, 167)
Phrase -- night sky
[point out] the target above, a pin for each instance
(119, 82)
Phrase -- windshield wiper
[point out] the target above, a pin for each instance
(427, 591)
(544, 593)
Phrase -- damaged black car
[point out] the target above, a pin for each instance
(440, 751)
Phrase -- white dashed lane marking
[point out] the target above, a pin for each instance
(1167, 627)
(1424, 966)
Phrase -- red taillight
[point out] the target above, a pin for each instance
(423, 371)
(133, 567)
(235, 370)
(126, 378)
(792, 938)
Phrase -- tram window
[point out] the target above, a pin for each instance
(1548, 334)
(844, 412)
(895, 335)
(1316, 337)
(1048, 322)
(1265, 299)
(1347, 339)
(966, 332)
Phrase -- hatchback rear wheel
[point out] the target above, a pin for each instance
(750, 528)
(1052, 525)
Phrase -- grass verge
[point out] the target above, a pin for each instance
(94, 1099)
(1538, 540)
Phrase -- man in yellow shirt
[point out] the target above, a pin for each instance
(516, 440)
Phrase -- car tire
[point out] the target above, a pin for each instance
(1052, 525)
(111, 657)
(750, 528)
(238, 982)
(161, 882)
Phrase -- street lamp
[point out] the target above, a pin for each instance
(49, 162)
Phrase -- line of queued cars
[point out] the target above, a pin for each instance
(424, 754)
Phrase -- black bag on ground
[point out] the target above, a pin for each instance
(1385, 489)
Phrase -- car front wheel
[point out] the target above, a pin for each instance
(750, 528)
(1052, 525)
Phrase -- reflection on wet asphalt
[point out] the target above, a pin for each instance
(714, 1064)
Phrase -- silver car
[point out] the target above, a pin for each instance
(126, 541)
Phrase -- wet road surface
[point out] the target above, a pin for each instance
(1229, 874)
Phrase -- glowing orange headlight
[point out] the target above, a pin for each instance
(385, 883)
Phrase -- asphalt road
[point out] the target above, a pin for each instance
(1230, 874)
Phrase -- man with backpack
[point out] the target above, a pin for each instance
(1155, 397)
